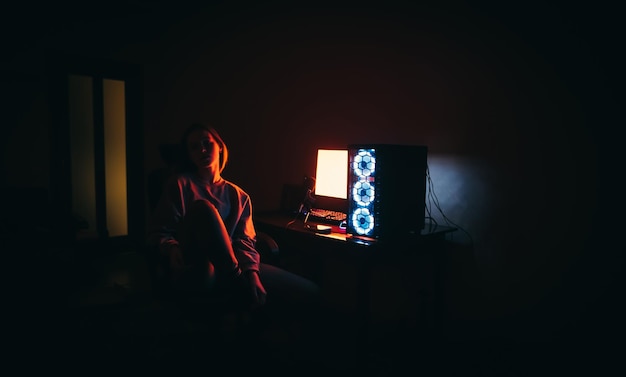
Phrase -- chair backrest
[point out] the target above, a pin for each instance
(155, 184)
(171, 155)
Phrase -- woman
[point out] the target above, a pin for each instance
(203, 227)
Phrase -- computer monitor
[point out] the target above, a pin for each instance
(331, 179)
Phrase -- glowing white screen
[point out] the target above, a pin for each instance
(331, 174)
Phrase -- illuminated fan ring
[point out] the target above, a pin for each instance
(364, 163)
(363, 193)
(362, 221)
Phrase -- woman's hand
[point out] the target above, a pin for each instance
(257, 290)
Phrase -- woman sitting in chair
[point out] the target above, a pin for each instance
(203, 227)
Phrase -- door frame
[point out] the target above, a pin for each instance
(59, 65)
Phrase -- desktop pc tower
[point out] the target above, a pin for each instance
(386, 190)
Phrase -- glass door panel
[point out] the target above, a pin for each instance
(115, 156)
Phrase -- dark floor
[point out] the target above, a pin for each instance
(110, 319)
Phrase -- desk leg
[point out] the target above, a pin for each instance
(363, 316)
(439, 259)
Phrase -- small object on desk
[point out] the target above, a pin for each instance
(322, 229)
(338, 229)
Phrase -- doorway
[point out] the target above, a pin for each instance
(96, 149)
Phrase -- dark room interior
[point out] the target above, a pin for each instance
(517, 104)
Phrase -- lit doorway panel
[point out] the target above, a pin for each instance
(115, 156)
(83, 149)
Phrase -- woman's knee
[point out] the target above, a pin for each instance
(202, 209)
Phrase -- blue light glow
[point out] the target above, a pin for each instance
(364, 163)
(362, 221)
(363, 193)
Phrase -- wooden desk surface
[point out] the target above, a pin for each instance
(282, 221)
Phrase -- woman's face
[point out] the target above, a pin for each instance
(203, 150)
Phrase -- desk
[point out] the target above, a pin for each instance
(293, 238)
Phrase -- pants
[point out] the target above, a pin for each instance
(210, 264)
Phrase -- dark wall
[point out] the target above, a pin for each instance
(516, 105)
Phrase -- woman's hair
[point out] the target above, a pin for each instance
(186, 164)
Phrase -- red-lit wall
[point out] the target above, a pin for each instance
(512, 106)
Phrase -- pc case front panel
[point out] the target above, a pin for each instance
(386, 190)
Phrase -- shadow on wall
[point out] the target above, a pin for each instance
(462, 192)
(531, 233)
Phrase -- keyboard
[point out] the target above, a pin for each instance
(327, 216)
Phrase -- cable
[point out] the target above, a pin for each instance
(293, 220)
(432, 198)
(307, 202)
